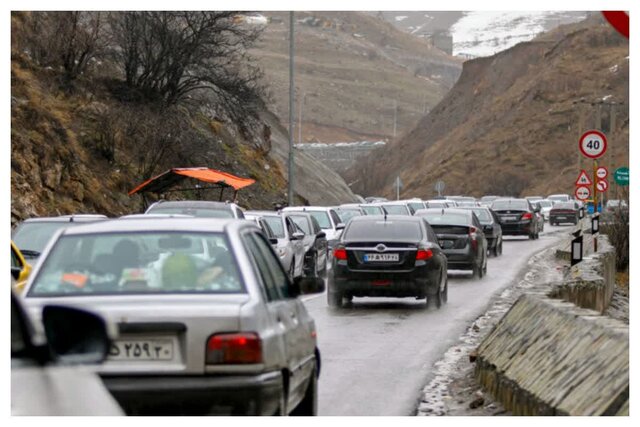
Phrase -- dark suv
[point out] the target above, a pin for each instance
(517, 217)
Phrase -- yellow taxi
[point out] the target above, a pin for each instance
(20, 269)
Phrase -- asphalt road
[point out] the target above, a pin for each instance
(377, 354)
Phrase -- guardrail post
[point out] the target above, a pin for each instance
(595, 228)
(576, 247)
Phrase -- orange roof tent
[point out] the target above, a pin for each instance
(174, 176)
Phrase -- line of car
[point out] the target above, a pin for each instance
(203, 296)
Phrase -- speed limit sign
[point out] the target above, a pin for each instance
(593, 144)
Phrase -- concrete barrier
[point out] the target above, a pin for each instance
(590, 283)
(549, 357)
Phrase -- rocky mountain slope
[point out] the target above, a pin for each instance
(71, 154)
(352, 69)
(511, 123)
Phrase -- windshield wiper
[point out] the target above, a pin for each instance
(30, 253)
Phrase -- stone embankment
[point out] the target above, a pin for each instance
(554, 354)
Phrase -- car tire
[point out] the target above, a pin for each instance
(445, 292)
(500, 248)
(476, 272)
(484, 269)
(334, 297)
(292, 270)
(308, 406)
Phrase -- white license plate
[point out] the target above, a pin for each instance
(510, 218)
(381, 257)
(141, 350)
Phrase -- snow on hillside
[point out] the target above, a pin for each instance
(485, 33)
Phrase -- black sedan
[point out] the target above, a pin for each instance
(517, 217)
(461, 237)
(563, 212)
(491, 227)
(382, 256)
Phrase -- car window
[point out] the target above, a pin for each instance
(34, 236)
(396, 209)
(316, 226)
(346, 214)
(291, 227)
(138, 262)
(276, 224)
(266, 228)
(372, 210)
(500, 205)
(447, 218)
(475, 221)
(323, 219)
(302, 222)
(334, 217)
(431, 235)
(483, 215)
(270, 273)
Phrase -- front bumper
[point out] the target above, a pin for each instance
(198, 395)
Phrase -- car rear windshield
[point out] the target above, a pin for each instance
(446, 218)
(545, 203)
(34, 236)
(372, 210)
(275, 222)
(416, 205)
(390, 230)
(564, 205)
(346, 214)
(504, 205)
(134, 263)
(396, 209)
(197, 212)
(302, 222)
(482, 214)
(437, 205)
(322, 217)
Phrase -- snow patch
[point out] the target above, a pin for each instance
(401, 18)
(614, 69)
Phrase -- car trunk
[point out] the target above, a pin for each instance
(511, 215)
(370, 256)
(162, 334)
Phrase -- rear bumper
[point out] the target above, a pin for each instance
(460, 259)
(419, 282)
(516, 229)
(198, 395)
(563, 218)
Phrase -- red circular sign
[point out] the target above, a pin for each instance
(593, 144)
(619, 20)
(582, 193)
(602, 172)
(602, 185)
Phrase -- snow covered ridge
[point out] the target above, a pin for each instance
(486, 33)
(320, 145)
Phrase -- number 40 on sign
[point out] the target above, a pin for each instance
(593, 144)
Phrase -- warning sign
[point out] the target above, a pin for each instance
(583, 178)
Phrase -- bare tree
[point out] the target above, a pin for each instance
(170, 55)
(64, 39)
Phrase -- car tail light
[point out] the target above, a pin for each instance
(474, 237)
(340, 253)
(527, 216)
(235, 348)
(423, 254)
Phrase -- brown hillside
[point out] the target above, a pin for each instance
(352, 66)
(512, 121)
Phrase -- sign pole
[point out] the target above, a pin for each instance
(595, 187)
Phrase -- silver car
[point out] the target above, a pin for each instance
(197, 208)
(290, 246)
(208, 321)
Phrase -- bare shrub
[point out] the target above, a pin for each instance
(507, 184)
(616, 226)
(170, 56)
(69, 40)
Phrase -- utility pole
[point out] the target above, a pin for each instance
(395, 117)
(300, 119)
(291, 107)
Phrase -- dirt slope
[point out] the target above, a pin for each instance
(512, 121)
(350, 67)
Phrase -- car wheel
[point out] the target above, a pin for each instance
(445, 292)
(334, 296)
(308, 406)
(484, 269)
(475, 271)
(532, 236)
(500, 248)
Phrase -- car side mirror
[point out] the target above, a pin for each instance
(273, 241)
(306, 285)
(297, 236)
(15, 272)
(75, 336)
(321, 234)
(340, 226)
